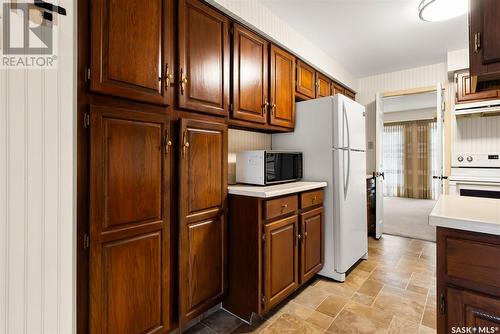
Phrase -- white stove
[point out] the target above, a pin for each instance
(475, 175)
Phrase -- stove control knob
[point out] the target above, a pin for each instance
(469, 158)
(460, 159)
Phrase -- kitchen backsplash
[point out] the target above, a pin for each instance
(239, 140)
(477, 135)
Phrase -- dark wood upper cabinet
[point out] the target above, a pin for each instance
(337, 89)
(202, 206)
(484, 39)
(465, 87)
(132, 49)
(282, 99)
(323, 86)
(250, 76)
(129, 222)
(203, 71)
(306, 80)
(281, 260)
(350, 94)
(312, 243)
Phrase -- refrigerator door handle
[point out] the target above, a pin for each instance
(346, 182)
(346, 122)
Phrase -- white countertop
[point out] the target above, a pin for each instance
(467, 213)
(274, 190)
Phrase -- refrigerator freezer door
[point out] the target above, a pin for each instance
(351, 241)
(350, 118)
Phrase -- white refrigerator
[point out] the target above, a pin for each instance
(330, 132)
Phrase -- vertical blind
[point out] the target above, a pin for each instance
(410, 159)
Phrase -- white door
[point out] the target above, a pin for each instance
(439, 169)
(379, 167)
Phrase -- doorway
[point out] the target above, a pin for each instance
(409, 161)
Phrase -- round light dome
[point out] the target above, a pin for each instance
(440, 10)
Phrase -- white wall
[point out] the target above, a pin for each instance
(263, 20)
(406, 79)
(37, 199)
(239, 140)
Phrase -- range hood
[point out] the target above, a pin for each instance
(483, 107)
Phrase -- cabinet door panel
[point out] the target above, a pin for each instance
(281, 260)
(323, 86)
(470, 309)
(337, 89)
(350, 94)
(202, 202)
(312, 243)
(129, 227)
(205, 259)
(306, 80)
(282, 88)
(131, 46)
(204, 58)
(484, 38)
(464, 90)
(250, 76)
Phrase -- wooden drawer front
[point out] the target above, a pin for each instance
(281, 206)
(473, 261)
(311, 198)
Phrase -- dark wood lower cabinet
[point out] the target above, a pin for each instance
(202, 215)
(274, 246)
(312, 243)
(129, 222)
(468, 281)
(281, 260)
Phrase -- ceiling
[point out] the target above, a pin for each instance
(372, 36)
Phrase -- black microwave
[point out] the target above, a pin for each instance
(264, 167)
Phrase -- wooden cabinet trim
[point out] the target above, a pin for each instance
(280, 206)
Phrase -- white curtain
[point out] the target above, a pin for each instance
(434, 142)
(394, 143)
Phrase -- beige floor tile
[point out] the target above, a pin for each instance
(296, 310)
(417, 289)
(320, 320)
(348, 322)
(429, 319)
(399, 326)
(371, 288)
(361, 298)
(369, 312)
(426, 330)
(414, 296)
(368, 265)
(311, 297)
(335, 288)
(404, 308)
(290, 324)
(332, 305)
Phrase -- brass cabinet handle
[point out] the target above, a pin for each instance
(317, 83)
(167, 142)
(305, 234)
(185, 143)
(265, 105)
(184, 81)
(167, 77)
(477, 42)
(299, 236)
(273, 108)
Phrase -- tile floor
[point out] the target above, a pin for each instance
(392, 292)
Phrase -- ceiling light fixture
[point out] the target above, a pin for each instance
(440, 10)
